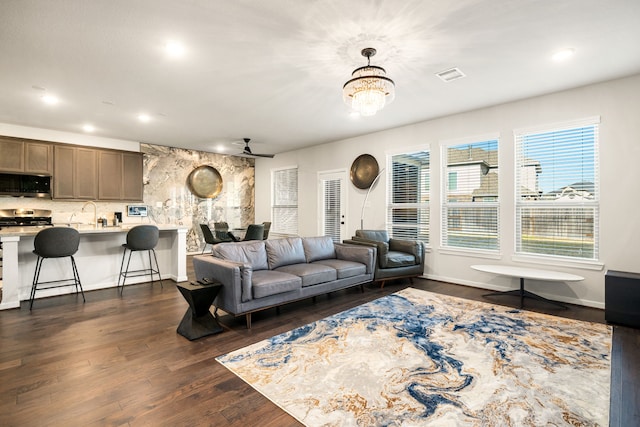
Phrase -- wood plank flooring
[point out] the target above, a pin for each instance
(118, 360)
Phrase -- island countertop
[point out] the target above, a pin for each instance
(98, 259)
(83, 229)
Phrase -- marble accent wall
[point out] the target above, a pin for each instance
(167, 196)
(166, 170)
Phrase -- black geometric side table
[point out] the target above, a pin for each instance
(198, 321)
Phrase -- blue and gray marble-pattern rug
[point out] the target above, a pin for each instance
(418, 358)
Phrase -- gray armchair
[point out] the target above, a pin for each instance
(396, 258)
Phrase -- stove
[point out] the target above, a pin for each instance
(24, 217)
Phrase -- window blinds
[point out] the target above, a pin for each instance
(284, 208)
(470, 196)
(408, 188)
(557, 190)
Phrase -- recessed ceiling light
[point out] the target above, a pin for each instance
(174, 49)
(50, 99)
(88, 128)
(144, 118)
(563, 54)
(221, 148)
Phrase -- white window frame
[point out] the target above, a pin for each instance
(447, 207)
(277, 227)
(520, 204)
(419, 230)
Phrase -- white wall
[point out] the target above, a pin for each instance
(616, 102)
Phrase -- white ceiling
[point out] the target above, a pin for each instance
(273, 70)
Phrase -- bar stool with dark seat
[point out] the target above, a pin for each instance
(55, 242)
(140, 238)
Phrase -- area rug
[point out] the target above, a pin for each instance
(419, 358)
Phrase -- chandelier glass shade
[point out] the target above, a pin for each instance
(369, 88)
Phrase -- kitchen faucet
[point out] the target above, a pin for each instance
(95, 211)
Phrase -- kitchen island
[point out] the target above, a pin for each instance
(98, 259)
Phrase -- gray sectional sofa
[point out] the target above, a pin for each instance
(267, 273)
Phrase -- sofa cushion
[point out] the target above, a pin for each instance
(399, 259)
(252, 253)
(311, 274)
(316, 248)
(344, 268)
(284, 252)
(266, 282)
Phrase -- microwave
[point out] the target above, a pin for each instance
(25, 185)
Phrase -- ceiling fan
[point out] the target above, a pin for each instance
(247, 150)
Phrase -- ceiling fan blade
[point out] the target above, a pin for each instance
(247, 151)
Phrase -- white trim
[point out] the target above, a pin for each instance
(473, 253)
(558, 126)
(67, 137)
(559, 261)
(470, 140)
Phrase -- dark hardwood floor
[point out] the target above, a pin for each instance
(119, 361)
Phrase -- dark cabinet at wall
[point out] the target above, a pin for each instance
(78, 172)
(120, 176)
(18, 155)
(132, 170)
(622, 298)
(75, 173)
(110, 175)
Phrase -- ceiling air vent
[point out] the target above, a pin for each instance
(450, 75)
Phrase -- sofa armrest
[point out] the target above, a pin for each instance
(414, 247)
(382, 248)
(234, 276)
(364, 254)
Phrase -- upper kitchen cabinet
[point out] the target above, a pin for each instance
(75, 174)
(97, 174)
(26, 156)
(132, 169)
(120, 176)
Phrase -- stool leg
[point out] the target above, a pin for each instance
(121, 266)
(34, 285)
(157, 268)
(76, 278)
(124, 275)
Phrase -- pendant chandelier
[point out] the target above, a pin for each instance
(369, 89)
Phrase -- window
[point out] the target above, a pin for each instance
(453, 180)
(557, 191)
(408, 196)
(470, 205)
(284, 206)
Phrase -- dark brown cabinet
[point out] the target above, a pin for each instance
(97, 174)
(75, 173)
(132, 170)
(78, 172)
(26, 156)
(110, 175)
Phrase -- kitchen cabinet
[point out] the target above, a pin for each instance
(26, 156)
(132, 170)
(75, 173)
(78, 172)
(109, 175)
(120, 176)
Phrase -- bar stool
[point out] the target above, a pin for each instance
(55, 242)
(140, 238)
